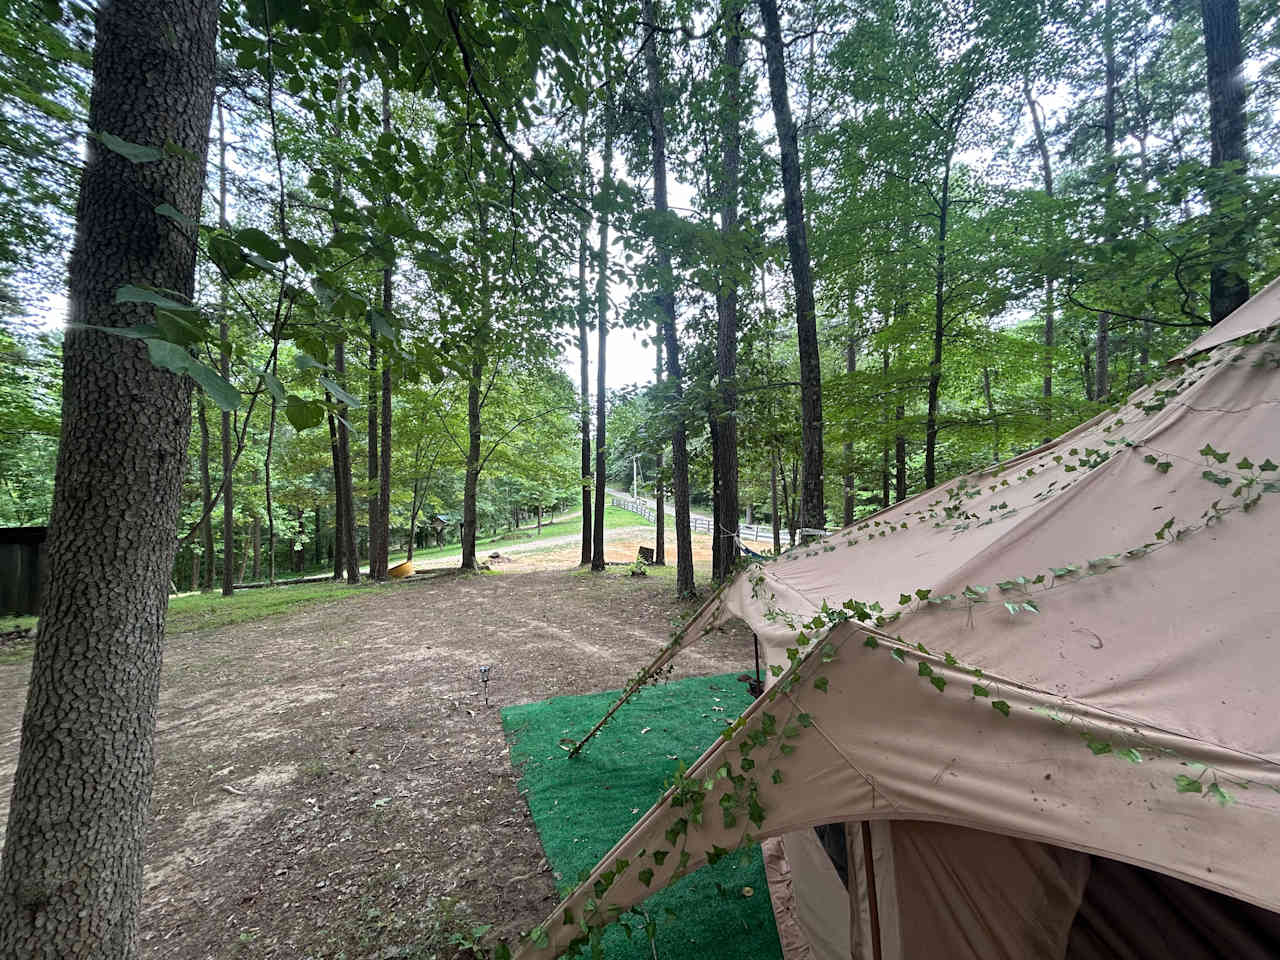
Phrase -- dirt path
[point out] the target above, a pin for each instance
(332, 784)
(612, 537)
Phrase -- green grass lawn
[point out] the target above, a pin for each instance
(204, 611)
(207, 611)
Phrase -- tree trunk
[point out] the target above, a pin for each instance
(206, 493)
(991, 412)
(1103, 342)
(1227, 133)
(939, 326)
(339, 523)
(899, 458)
(344, 453)
(584, 359)
(371, 401)
(884, 450)
(1046, 169)
(850, 482)
(773, 504)
(602, 336)
(666, 299)
(71, 879)
(271, 516)
(195, 570)
(472, 481)
(726, 531)
(813, 511)
(224, 367)
(413, 519)
(659, 492)
(379, 562)
(257, 548)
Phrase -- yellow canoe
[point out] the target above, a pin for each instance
(401, 570)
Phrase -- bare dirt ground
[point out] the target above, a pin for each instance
(331, 784)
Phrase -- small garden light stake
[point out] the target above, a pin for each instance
(484, 679)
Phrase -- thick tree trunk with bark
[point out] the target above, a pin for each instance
(813, 510)
(584, 359)
(271, 516)
(206, 494)
(471, 483)
(1227, 135)
(726, 432)
(666, 300)
(602, 338)
(71, 879)
(371, 401)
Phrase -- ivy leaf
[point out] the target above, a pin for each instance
(170, 212)
(871, 642)
(133, 152)
(923, 594)
(897, 655)
(805, 720)
(820, 684)
(1223, 798)
(1000, 706)
(1267, 466)
(1244, 464)
(1165, 528)
(777, 776)
(924, 669)
(1187, 784)
(660, 856)
(1131, 754)
(1030, 606)
(1013, 608)
(1163, 466)
(904, 598)
(646, 876)
(539, 937)
(1217, 478)
(939, 682)
(980, 691)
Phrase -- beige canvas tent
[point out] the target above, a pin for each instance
(1031, 713)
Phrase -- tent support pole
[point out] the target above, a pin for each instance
(662, 659)
(873, 905)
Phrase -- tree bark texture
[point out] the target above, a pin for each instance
(726, 532)
(813, 510)
(602, 337)
(666, 300)
(584, 358)
(1227, 135)
(71, 878)
(371, 401)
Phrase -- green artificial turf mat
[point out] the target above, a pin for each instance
(582, 807)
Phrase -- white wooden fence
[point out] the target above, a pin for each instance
(746, 531)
